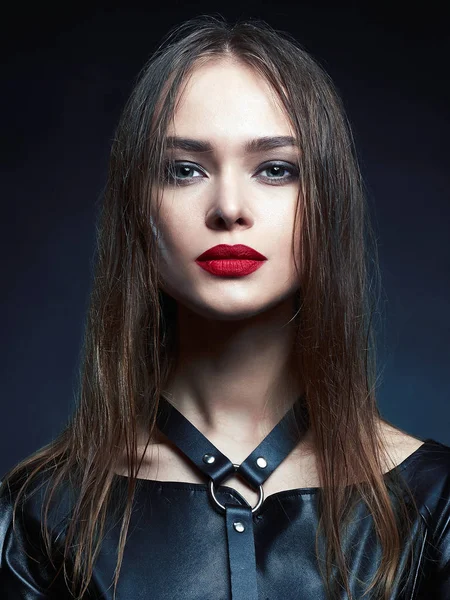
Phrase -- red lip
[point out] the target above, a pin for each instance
(239, 251)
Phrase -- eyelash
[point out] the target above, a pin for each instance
(170, 179)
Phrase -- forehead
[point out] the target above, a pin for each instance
(228, 98)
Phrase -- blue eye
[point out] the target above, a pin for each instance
(278, 169)
(180, 173)
(175, 172)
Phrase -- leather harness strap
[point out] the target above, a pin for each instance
(255, 469)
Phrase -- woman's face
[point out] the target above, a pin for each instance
(229, 194)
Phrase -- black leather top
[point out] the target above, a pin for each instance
(176, 546)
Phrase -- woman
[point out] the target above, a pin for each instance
(227, 440)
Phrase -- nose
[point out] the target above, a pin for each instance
(229, 207)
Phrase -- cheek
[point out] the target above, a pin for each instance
(162, 236)
(169, 231)
(178, 222)
(286, 242)
(283, 227)
(177, 247)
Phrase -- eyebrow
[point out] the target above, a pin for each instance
(261, 144)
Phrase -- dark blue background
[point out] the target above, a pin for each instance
(67, 76)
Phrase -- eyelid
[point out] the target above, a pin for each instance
(173, 163)
(276, 161)
(182, 163)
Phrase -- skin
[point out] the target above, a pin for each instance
(234, 381)
(234, 375)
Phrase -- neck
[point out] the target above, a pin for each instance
(235, 379)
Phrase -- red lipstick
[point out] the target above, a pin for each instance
(230, 261)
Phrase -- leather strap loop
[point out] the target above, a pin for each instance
(193, 443)
(273, 449)
(241, 552)
(255, 469)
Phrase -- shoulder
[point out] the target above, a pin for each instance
(430, 468)
(428, 476)
(25, 570)
(427, 473)
(428, 458)
(425, 467)
(25, 499)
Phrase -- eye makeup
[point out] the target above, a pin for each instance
(175, 172)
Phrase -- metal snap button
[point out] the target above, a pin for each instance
(209, 459)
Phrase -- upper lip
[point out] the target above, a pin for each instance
(226, 251)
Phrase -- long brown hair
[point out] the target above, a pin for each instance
(130, 344)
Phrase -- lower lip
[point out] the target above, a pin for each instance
(230, 267)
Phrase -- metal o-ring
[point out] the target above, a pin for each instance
(254, 509)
